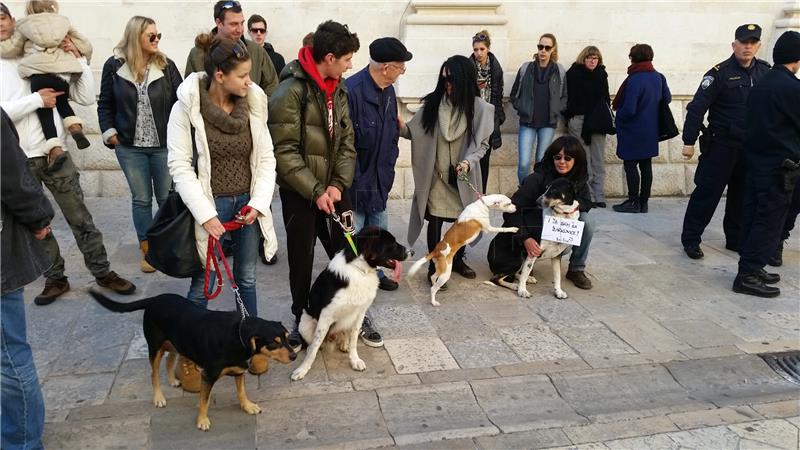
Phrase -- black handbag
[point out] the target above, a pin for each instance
(172, 247)
(666, 123)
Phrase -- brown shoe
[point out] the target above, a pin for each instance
(579, 279)
(259, 364)
(53, 288)
(116, 283)
(143, 264)
(188, 374)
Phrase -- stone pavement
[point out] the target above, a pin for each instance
(659, 354)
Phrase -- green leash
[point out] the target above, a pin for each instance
(347, 234)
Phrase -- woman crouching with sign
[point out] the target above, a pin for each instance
(564, 158)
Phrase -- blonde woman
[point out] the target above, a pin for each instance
(137, 92)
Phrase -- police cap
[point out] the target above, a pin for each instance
(748, 31)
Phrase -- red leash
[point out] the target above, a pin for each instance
(215, 251)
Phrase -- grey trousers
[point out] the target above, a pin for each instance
(65, 186)
(595, 158)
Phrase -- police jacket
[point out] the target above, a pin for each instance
(773, 122)
(116, 106)
(723, 93)
(374, 115)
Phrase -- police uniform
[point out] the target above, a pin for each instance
(723, 92)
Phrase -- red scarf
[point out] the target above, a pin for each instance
(328, 85)
(646, 66)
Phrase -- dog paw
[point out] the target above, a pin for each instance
(344, 345)
(560, 293)
(523, 293)
(435, 303)
(159, 400)
(175, 383)
(512, 229)
(299, 374)
(251, 408)
(203, 423)
(358, 364)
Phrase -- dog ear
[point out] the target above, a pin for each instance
(255, 343)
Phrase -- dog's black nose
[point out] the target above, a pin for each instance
(293, 356)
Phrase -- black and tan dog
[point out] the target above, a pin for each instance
(220, 343)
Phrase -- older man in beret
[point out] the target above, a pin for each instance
(373, 110)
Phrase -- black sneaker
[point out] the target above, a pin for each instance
(600, 204)
(751, 284)
(628, 206)
(461, 268)
(296, 340)
(369, 335)
(387, 284)
(693, 251)
(768, 278)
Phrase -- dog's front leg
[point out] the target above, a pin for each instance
(320, 333)
(524, 273)
(248, 406)
(203, 422)
(355, 362)
(155, 379)
(556, 262)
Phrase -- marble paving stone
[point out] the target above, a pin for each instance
(77, 390)
(563, 313)
(417, 414)
(644, 334)
(711, 352)
(769, 347)
(732, 380)
(592, 446)
(110, 410)
(132, 382)
(706, 438)
(447, 444)
(534, 343)
(713, 417)
(467, 374)
(459, 322)
(594, 341)
(524, 403)
(610, 361)
(607, 250)
(539, 367)
(738, 321)
(117, 433)
(301, 389)
(137, 349)
(629, 392)
(505, 312)
(525, 439)
(656, 441)
(617, 430)
(605, 304)
(280, 374)
(419, 355)
(794, 421)
(481, 353)
(402, 321)
(778, 410)
(775, 433)
(348, 420)
(700, 333)
(370, 384)
(338, 367)
(231, 428)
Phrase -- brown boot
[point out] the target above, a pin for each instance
(76, 131)
(116, 283)
(188, 374)
(53, 288)
(579, 279)
(143, 264)
(259, 364)
(55, 159)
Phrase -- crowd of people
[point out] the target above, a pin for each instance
(242, 120)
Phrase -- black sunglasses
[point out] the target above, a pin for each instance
(152, 37)
(544, 47)
(229, 5)
(258, 30)
(559, 157)
(480, 38)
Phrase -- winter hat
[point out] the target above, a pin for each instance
(787, 48)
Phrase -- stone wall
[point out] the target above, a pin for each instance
(688, 38)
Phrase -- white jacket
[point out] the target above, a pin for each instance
(195, 188)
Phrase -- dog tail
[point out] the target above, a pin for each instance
(111, 305)
(418, 265)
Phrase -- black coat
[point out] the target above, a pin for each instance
(116, 107)
(496, 71)
(275, 57)
(587, 88)
(24, 210)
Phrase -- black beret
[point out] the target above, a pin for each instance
(787, 48)
(388, 49)
(748, 31)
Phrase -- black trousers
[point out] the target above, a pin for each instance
(304, 225)
(719, 166)
(637, 190)
(485, 168)
(42, 81)
(434, 235)
(794, 209)
(767, 205)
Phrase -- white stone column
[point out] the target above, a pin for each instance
(789, 21)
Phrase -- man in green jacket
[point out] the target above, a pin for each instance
(229, 18)
(309, 121)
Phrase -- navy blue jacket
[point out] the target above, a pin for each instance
(637, 116)
(374, 115)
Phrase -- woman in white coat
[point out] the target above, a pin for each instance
(235, 162)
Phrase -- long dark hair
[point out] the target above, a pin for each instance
(461, 75)
(220, 53)
(572, 147)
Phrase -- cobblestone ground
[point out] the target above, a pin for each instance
(660, 354)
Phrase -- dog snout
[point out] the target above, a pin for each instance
(410, 253)
(292, 355)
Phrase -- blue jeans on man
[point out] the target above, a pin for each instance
(245, 257)
(379, 219)
(528, 136)
(148, 176)
(22, 402)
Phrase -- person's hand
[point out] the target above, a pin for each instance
(324, 203)
(400, 122)
(49, 97)
(334, 193)
(688, 151)
(113, 140)
(68, 46)
(214, 227)
(532, 247)
(463, 166)
(250, 217)
(42, 233)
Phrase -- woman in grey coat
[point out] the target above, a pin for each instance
(456, 124)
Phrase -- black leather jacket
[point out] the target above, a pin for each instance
(116, 107)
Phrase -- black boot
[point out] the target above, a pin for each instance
(751, 284)
(768, 278)
(630, 205)
(460, 267)
(777, 258)
(643, 205)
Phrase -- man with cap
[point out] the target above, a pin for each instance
(373, 110)
(771, 153)
(723, 93)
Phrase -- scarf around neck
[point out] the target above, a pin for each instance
(328, 85)
(452, 125)
(646, 66)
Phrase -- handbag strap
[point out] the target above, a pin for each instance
(214, 253)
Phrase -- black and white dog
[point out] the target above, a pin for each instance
(343, 292)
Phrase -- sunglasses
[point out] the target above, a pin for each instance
(546, 48)
(480, 38)
(229, 5)
(153, 37)
(559, 157)
(258, 30)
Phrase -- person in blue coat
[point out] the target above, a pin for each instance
(637, 104)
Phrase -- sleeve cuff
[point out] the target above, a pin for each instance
(108, 133)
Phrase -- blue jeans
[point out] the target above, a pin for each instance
(245, 257)
(22, 405)
(527, 137)
(577, 259)
(379, 219)
(147, 174)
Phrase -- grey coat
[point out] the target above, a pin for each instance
(423, 159)
(522, 93)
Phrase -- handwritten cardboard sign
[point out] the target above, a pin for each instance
(565, 231)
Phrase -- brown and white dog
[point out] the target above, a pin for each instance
(470, 223)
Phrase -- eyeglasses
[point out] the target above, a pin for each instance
(592, 58)
(402, 68)
(482, 37)
(559, 157)
(229, 5)
(153, 37)
(258, 30)
(546, 48)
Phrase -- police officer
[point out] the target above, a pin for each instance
(772, 145)
(723, 93)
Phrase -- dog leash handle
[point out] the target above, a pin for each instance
(214, 252)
